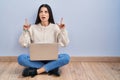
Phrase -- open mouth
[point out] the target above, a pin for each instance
(43, 17)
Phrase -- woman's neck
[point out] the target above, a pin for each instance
(44, 24)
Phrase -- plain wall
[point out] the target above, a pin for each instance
(93, 25)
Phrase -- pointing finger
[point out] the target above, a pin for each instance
(61, 21)
(26, 21)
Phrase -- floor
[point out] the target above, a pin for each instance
(72, 71)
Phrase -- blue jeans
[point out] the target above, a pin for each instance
(62, 60)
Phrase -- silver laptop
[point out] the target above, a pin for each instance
(43, 51)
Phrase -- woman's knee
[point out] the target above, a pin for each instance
(22, 58)
(65, 58)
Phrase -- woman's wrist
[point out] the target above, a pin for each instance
(26, 30)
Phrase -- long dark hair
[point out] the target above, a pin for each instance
(51, 19)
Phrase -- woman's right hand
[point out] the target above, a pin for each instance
(26, 25)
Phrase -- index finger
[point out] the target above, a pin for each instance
(26, 21)
(61, 21)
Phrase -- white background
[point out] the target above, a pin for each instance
(93, 25)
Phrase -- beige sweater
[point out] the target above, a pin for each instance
(40, 34)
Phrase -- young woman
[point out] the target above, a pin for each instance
(44, 31)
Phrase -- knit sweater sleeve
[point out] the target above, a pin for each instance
(62, 37)
(25, 38)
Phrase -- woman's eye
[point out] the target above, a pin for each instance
(46, 11)
(41, 11)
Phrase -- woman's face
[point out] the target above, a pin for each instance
(44, 14)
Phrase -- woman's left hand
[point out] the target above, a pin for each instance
(61, 25)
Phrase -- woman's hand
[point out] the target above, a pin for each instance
(26, 25)
(61, 25)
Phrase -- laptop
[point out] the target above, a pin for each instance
(43, 51)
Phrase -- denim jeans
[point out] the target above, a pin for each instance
(63, 59)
